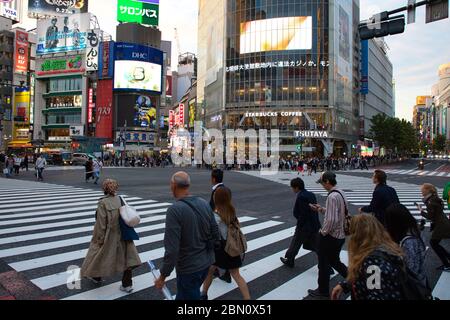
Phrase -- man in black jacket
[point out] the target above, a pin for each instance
(308, 223)
(383, 197)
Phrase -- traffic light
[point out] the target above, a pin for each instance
(382, 28)
(436, 10)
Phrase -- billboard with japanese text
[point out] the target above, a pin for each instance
(21, 57)
(104, 111)
(139, 11)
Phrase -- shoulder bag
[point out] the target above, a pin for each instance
(129, 214)
(348, 217)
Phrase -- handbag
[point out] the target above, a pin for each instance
(129, 214)
(5, 171)
(311, 242)
(128, 233)
(348, 217)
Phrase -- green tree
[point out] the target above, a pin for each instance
(439, 143)
(393, 133)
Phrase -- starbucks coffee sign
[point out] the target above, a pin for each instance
(312, 134)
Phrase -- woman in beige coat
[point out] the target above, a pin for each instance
(108, 254)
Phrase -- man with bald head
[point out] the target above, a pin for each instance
(190, 235)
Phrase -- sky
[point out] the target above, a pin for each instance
(416, 54)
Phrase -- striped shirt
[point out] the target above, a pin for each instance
(333, 223)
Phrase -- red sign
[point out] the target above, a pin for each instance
(169, 86)
(181, 115)
(21, 52)
(91, 105)
(104, 116)
(171, 119)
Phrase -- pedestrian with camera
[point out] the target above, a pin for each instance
(440, 225)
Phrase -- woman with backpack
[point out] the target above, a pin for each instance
(371, 249)
(232, 242)
(440, 224)
(403, 228)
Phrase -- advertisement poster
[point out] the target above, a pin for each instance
(21, 114)
(192, 113)
(138, 68)
(21, 52)
(137, 75)
(291, 33)
(104, 112)
(62, 34)
(139, 11)
(10, 10)
(344, 34)
(42, 8)
(59, 66)
(139, 111)
(106, 60)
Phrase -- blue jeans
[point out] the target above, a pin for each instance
(188, 285)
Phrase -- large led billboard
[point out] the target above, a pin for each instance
(290, 33)
(45, 8)
(137, 75)
(137, 67)
(62, 34)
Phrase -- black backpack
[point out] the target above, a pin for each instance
(412, 288)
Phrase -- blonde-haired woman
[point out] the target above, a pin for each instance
(440, 225)
(109, 254)
(225, 216)
(371, 250)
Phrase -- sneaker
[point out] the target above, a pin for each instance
(446, 269)
(287, 262)
(204, 297)
(441, 268)
(226, 277)
(126, 289)
(317, 294)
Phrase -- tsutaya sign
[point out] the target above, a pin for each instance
(273, 114)
(312, 134)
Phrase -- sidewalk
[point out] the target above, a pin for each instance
(14, 286)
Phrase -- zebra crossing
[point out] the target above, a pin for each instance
(410, 172)
(45, 231)
(358, 190)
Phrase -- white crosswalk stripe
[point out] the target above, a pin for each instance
(47, 234)
(412, 172)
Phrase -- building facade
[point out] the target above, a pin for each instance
(422, 120)
(281, 65)
(377, 88)
(440, 112)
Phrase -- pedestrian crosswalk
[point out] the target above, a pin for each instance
(45, 232)
(411, 172)
(358, 190)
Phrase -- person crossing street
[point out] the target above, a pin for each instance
(40, 165)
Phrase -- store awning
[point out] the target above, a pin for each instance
(20, 144)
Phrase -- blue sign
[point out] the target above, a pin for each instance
(365, 67)
(135, 52)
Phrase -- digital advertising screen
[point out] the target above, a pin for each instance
(137, 75)
(43, 8)
(289, 33)
(139, 111)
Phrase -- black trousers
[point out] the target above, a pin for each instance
(328, 254)
(127, 278)
(296, 243)
(440, 251)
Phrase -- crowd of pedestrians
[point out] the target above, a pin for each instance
(204, 241)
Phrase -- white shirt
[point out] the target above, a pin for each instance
(97, 165)
(40, 163)
(216, 186)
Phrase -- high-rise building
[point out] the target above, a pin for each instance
(377, 87)
(283, 65)
(422, 118)
(440, 111)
